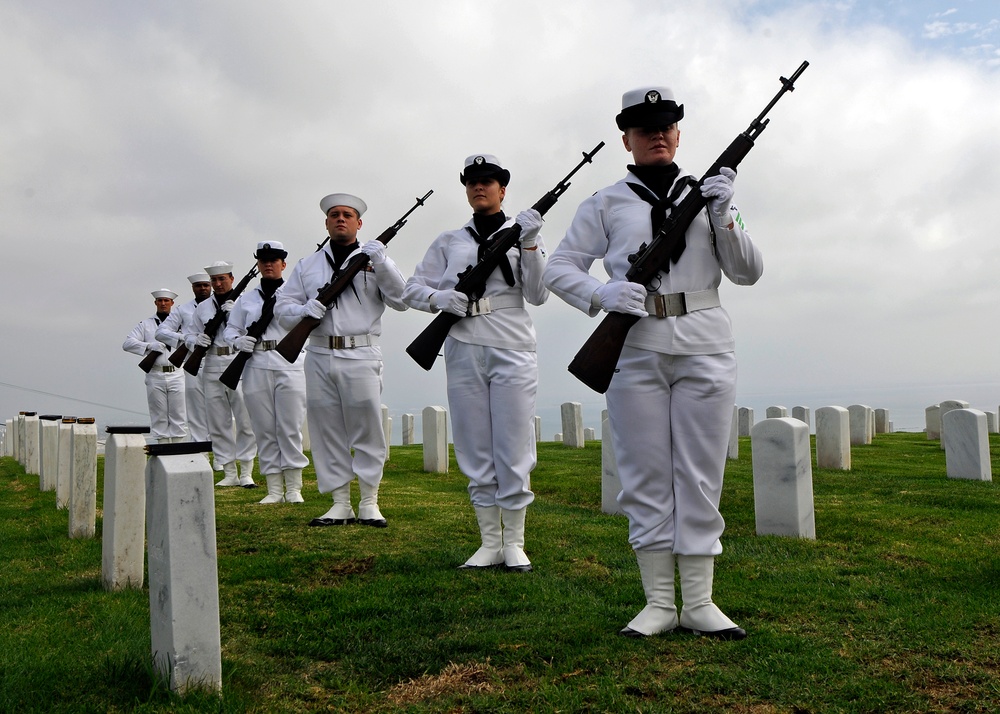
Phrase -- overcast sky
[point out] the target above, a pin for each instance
(139, 142)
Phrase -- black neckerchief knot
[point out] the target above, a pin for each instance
(485, 228)
(661, 190)
(336, 257)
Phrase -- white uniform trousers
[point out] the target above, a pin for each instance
(165, 398)
(670, 417)
(491, 395)
(276, 402)
(344, 406)
(226, 411)
(194, 397)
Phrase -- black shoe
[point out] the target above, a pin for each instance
(323, 522)
(730, 633)
(629, 632)
(518, 568)
(374, 522)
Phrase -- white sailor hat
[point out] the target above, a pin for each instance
(343, 199)
(484, 166)
(649, 106)
(219, 267)
(164, 293)
(269, 250)
(199, 278)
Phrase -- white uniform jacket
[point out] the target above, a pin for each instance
(245, 312)
(142, 338)
(454, 251)
(611, 225)
(212, 363)
(357, 312)
(178, 324)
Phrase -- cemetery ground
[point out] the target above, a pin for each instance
(894, 608)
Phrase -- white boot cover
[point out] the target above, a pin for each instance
(246, 477)
(230, 477)
(656, 568)
(490, 554)
(293, 485)
(368, 512)
(513, 541)
(341, 514)
(275, 489)
(698, 613)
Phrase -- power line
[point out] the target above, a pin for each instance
(72, 399)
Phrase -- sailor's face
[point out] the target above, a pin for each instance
(485, 195)
(652, 145)
(343, 224)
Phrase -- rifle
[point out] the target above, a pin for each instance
(231, 377)
(595, 363)
(291, 344)
(149, 361)
(193, 363)
(176, 357)
(472, 281)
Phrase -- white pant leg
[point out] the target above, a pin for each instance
(194, 398)
(491, 395)
(156, 400)
(220, 419)
(176, 405)
(276, 403)
(246, 444)
(670, 417)
(344, 405)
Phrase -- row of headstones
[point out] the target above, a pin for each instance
(62, 452)
(166, 501)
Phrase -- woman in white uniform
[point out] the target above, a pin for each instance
(670, 402)
(274, 390)
(490, 359)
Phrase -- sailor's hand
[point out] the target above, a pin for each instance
(202, 340)
(530, 222)
(314, 309)
(453, 301)
(375, 250)
(621, 296)
(719, 190)
(245, 343)
(227, 306)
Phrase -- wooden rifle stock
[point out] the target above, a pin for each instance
(193, 363)
(472, 281)
(149, 361)
(291, 345)
(231, 376)
(595, 362)
(176, 357)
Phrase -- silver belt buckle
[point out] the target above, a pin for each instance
(480, 307)
(337, 342)
(672, 305)
(168, 368)
(265, 345)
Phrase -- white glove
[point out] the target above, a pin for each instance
(202, 340)
(621, 296)
(530, 222)
(245, 343)
(314, 309)
(453, 301)
(375, 250)
(156, 347)
(227, 306)
(718, 190)
(191, 341)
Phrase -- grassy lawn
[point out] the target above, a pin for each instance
(894, 608)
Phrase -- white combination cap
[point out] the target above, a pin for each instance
(649, 106)
(269, 250)
(343, 199)
(484, 166)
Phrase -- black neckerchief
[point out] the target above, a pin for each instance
(336, 257)
(486, 226)
(268, 286)
(161, 316)
(657, 193)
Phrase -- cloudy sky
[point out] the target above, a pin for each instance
(142, 141)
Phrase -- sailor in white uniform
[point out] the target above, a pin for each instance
(172, 331)
(670, 402)
(164, 383)
(490, 359)
(273, 389)
(343, 362)
(228, 421)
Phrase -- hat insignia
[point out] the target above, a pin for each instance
(479, 161)
(652, 97)
(266, 246)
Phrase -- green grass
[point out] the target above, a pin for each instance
(894, 608)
